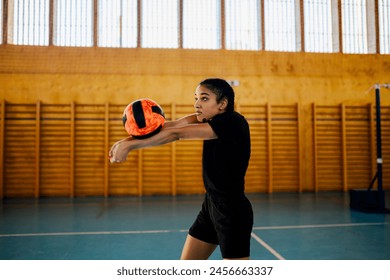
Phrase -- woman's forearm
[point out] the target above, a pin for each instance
(122, 148)
(168, 134)
(189, 119)
(165, 136)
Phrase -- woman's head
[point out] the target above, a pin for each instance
(213, 97)
(222, 90)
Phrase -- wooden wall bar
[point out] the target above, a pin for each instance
(2, 133)
(344, 145)
(385, 112)
(61, 150)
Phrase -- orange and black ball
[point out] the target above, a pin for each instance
(143, 118)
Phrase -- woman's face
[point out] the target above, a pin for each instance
(206, 105)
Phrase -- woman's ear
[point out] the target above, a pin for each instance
(223, 104)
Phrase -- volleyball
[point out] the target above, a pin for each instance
(143, 118)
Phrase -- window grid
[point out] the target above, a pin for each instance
(73, 23)
(280, 25)
(118, 24)
(160, 24)
(30, 22)
(201, 24)
(318, 26)
(354, 25)
(242, 24)
(117, 21)
(384, 26)
(1, 22)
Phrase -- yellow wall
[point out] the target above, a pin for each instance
(96, 75)
(55, 75)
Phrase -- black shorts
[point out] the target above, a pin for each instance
(226, 222)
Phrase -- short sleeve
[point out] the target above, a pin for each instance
(228, 125)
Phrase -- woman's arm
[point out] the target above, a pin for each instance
(190, 119)
(168, 134)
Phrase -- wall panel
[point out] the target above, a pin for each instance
(257, 175)
(358, 146)
(328, 156)
(89, 150)
(61, 150)
(285, 148)
(55, 150)
(385, 123)
(20, 152)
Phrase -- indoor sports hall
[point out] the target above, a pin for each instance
(311, 78)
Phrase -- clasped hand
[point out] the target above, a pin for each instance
(119, 151)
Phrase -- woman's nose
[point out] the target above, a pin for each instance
(196, 104)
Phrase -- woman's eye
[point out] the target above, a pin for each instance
(204, 99)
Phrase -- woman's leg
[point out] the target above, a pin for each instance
(195, 249)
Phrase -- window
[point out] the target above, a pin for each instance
(1, 21)
(160, 24)
(242, 20)
(281, 28)
(201, 24)
(73, 23)
(384, 26)
(318, 26)
(354, 26)
(117, 23)
(197, 24)
(30, 22)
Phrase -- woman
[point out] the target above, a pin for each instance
(226, 217)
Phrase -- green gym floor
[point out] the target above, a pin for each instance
(287, 226)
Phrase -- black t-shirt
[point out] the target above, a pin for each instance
(225, 159)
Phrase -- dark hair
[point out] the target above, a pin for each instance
(222, 90)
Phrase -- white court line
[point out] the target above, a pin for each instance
(89, 233)
(266, 246)
(180, 230)
(319, 226)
